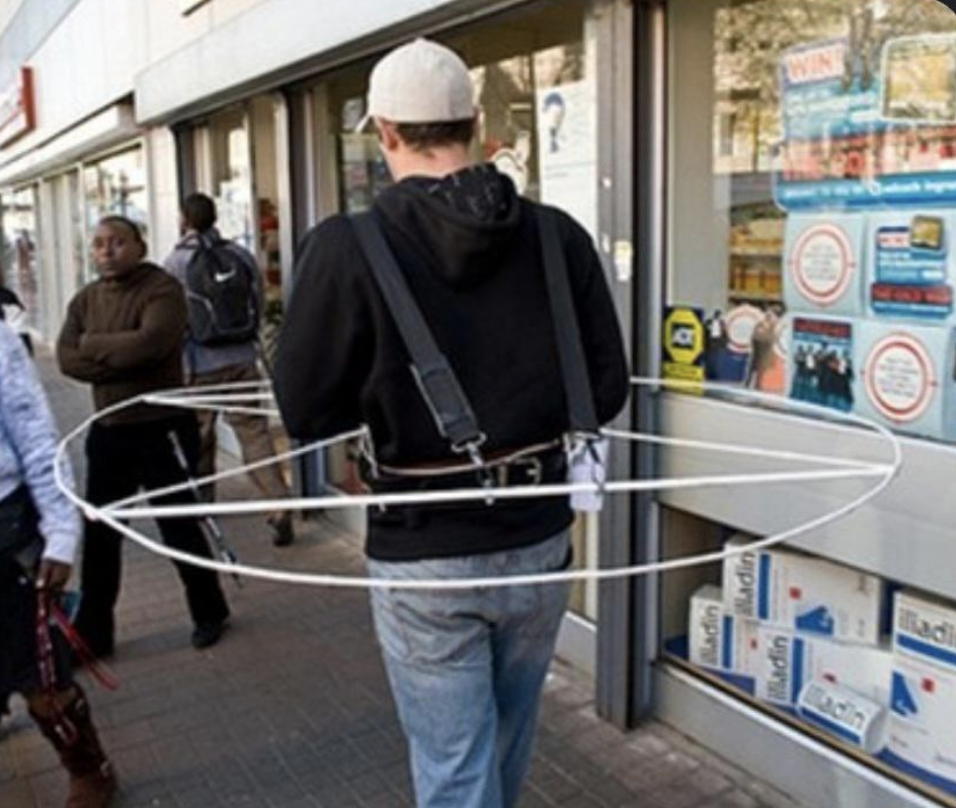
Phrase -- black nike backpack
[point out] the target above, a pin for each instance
(222, 295)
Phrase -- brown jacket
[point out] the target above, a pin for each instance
(125, 336)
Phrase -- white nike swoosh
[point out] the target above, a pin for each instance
(223, 276)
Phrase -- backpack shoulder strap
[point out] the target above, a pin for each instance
(433, 373)
(574, 369)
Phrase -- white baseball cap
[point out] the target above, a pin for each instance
(421, 82)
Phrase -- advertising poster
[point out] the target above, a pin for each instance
(768, 360)
(899, 377)
(823, 263)
(730, 343)
(912, 265)
(867, 128)
(920, 79)
(906, 378)
(822, 370)
(567, 149)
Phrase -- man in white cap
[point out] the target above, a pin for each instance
(466, 667)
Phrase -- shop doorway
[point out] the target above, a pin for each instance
(236, 157)
(550, 119)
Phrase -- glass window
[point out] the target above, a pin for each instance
(812, 237)
(536, 92)
(813, 180)
(115, 185)
(19, 251)
(231, 176)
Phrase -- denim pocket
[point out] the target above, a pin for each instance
(542, 606)
(430, 628)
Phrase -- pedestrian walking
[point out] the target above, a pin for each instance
(124, 335)
(224, 290)
(466, 668)
(39, 532)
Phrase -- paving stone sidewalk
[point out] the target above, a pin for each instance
(292, 708)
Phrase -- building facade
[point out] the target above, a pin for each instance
(770, 188)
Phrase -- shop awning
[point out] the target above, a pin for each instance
(110, 127)
(280, 41)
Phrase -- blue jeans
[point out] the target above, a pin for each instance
(467, 667)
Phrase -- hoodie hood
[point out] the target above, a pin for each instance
(459, 226)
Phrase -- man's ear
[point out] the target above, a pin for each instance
(387, 134)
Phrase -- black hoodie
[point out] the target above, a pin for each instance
(469, 247)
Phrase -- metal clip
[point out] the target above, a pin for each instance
(531, 466)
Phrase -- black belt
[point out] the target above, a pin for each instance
(547, 467)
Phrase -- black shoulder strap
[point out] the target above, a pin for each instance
(574, 369)
(449, 406)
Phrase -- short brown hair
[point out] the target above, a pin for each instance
(425, 136)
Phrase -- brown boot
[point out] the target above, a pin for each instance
(71, 731)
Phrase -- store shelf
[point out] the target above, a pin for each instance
(810, 770)
(765, 256)
(754, 297)
(906, 534)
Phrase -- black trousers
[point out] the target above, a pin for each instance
(122, 459)
(19, 668)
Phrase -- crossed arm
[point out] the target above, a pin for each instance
(102, 357)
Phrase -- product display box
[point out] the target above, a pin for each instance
(720, 640)
(787, 661)
(911, 266)
(844, 713)
(922, 727)
(904, 377)
(824, 269)
(797, 592)
(820, 366)
(924, 629)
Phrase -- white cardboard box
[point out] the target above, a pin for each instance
(788, 661)
(922, 728)
(844, 713)
(797, 592)
(718, 639)
(924, 629)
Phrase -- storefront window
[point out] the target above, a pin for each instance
(812, 242)
(231, 180)
(536, 92)
(115, 185)
(813, 168)
(19, 252)
(235, 160)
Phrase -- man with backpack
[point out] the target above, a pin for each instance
(431, 320)
(225, 297)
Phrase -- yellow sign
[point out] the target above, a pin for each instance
(684, 336)
(684, 345)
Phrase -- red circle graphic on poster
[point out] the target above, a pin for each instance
(741, 323)
(822, 263)
(900, 381)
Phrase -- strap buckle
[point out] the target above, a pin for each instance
(472, 448)
(531, 466)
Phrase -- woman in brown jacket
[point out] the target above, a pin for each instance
(123, 334)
